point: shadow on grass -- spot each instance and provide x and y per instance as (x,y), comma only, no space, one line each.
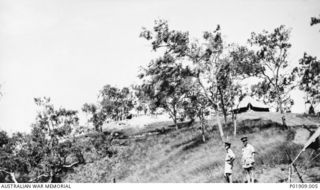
(160,130)
(184,143)
(190,143)
(196,142)
(183,124)
(248,126)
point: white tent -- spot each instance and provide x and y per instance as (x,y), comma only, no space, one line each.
(312,139)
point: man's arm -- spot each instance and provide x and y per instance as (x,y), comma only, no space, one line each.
(253,152)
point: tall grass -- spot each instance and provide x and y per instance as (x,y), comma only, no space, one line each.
(182,156)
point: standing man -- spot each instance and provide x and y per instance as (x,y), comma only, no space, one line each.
(228,162)
(248,159)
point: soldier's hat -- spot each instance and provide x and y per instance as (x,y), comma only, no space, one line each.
(243,139)
(227,143)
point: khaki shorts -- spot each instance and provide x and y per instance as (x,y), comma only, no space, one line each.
(248,163)
(228,168)
(249,169)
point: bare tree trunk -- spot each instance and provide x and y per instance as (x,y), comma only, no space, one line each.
(175,118)
(11,174)
(223,108)
(13,177)
(283,118)
(175,122)
(290,173)
(219,125)
(51,176)
(202,128)
(234,119)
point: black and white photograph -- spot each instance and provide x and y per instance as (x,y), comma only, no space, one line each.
(159,91)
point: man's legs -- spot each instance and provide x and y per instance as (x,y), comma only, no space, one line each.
(228,177)
(247,174)
(251,175)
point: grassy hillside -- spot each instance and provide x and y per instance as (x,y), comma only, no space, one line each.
(159,153)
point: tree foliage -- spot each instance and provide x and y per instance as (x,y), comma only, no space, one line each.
(50,143)
(14,163)
(166,78)
(309,73)
(97,116)
(114,103)
(218,71)
(42,155)
(143,100)
(197,106)
(271,55)
(206,58)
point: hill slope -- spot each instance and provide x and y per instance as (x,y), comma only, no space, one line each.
(159,153)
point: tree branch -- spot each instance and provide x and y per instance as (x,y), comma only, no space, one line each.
(11,175)
(71,165)
(269,79)
(205,92)
(40,176)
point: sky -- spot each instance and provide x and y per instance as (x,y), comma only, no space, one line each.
(68,50)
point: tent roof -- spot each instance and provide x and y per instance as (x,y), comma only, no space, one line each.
(249,100)
(312,139)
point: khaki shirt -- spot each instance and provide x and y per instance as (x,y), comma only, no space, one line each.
(229,156)
(229,161)
(248,156)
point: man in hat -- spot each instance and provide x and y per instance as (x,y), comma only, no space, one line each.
(248,159)
(228,162)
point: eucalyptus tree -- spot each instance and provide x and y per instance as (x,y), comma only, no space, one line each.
(165,79)
(271,50)
(309,73)
(143,100)
(51,142)
(115,103)
(97,116)
(196,105)
(214,72)
(13,161)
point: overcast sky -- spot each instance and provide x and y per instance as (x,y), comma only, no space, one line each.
(69,49)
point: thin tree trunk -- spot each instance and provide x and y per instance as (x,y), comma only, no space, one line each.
(290,172)
(223,106)
(51,176)
(283,117)
(175,117)
(175,122)
(11,174)
(202,129)
(13,177)
(234,119)
(284,124)
(219,125)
